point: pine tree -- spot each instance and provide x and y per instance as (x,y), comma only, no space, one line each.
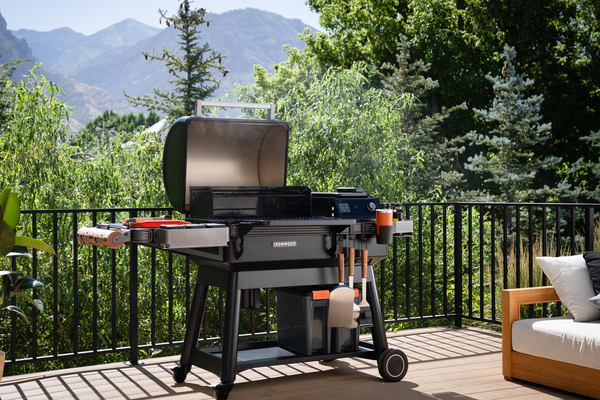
(588,171)
(508,162)
(193,78)
(420,124)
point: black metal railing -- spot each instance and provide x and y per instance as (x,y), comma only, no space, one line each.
(451,271)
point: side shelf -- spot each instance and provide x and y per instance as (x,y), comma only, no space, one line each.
(403,228)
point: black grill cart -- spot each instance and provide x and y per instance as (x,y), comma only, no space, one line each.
(249,231)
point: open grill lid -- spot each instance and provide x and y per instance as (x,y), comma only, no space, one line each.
(208,152)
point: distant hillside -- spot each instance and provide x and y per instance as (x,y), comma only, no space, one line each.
(63,50)
(12,48)
(88,101)
(248,37)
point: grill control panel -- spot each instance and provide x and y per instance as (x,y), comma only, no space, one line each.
(346,203)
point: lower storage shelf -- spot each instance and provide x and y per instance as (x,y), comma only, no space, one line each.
(266,353)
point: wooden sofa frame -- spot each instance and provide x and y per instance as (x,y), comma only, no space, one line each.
(556,374)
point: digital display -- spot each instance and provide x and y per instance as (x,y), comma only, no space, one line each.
(344,207)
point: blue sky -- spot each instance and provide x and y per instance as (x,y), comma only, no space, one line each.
(89,17)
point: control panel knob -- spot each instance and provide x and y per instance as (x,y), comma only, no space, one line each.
(371,206)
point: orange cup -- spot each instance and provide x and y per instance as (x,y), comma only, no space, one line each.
(383,217)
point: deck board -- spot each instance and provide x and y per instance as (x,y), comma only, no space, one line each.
(445,363)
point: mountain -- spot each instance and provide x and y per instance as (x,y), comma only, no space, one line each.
(88,101)
(248,37)
(94,70)
(13,48)
(63,50)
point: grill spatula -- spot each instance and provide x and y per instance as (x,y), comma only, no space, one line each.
(341,301)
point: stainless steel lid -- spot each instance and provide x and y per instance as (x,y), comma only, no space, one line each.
(207,152)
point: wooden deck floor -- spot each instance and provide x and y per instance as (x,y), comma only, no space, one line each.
(445,363)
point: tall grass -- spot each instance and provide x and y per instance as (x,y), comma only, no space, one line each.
(529,273)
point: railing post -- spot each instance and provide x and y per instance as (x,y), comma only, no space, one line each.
(133,301)
(589,229)
(458,300)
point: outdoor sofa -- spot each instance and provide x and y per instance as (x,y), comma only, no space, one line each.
(560,352)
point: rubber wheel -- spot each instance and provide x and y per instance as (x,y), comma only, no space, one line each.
(392,365)
(221,390)
(221,394)
(180,373)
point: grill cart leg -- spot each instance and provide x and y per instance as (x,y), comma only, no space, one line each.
(190,342)
(377,331)
(392,363)
(230,337)
(222,390)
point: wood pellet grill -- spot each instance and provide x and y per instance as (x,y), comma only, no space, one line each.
(250,231)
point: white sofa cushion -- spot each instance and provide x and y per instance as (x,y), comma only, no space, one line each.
(571,280)
(560,339)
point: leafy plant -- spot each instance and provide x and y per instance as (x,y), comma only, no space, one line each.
(343,133)
(6,98)
(12,245)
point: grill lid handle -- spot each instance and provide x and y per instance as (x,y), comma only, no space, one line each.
(350,190)
(200,103)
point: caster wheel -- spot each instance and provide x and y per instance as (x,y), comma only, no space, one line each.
(222,390)
(392,365)
(180,373)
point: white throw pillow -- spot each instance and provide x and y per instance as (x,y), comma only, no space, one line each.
(571,280)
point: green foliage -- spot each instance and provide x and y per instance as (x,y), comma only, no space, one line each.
(10,209)
(509,164)
(191,68)
(439,174)
(293,75)
(355,30)
(327,126)
(587,171)
(343,133)
(12,290)
(102,130)
(119,169)
(12,245)
(368,31)
(28,145)
(122,123)
(6,99)
(52,171)
(558,45)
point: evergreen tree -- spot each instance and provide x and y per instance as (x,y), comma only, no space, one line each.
(193,79)
(98,133)
(508,163)
(111,120)
(588,172)
(407,81)
(558,41)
